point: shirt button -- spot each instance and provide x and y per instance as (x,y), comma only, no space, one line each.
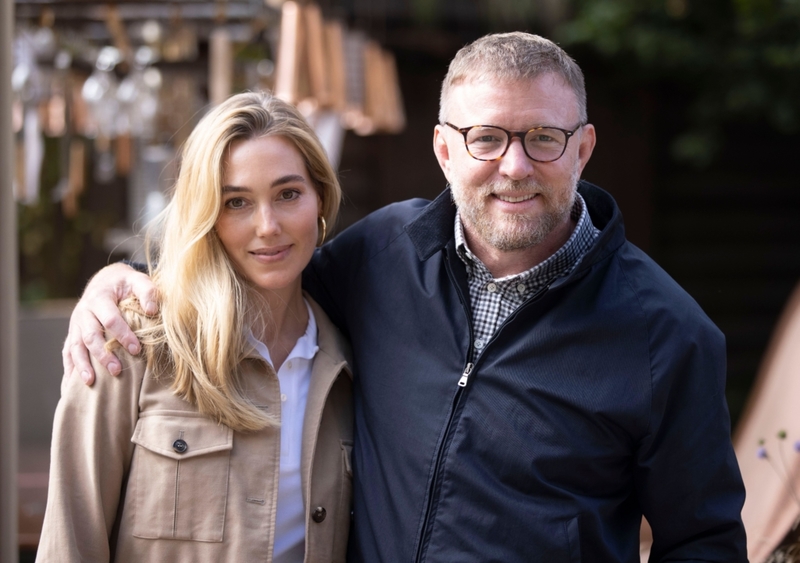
(479,344)
(283,397)
(180,446)
(521,288)
(491,288)
(289,365)
(319,514)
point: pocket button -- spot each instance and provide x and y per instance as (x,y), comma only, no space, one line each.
(319,514)
(180,446)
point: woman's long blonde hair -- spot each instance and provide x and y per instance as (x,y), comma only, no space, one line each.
(206,308)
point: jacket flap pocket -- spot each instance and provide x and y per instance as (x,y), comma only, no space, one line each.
(181,435)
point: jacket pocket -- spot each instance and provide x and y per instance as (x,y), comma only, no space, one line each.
(347,457)
(345,504)
(179,477)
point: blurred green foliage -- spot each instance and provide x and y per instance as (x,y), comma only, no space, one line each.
(52,245)
(734,62)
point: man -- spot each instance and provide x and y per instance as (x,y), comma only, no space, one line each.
(528,384)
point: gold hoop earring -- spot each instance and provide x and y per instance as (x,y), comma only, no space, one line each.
(324,230)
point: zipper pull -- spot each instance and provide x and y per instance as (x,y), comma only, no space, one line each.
(464,376)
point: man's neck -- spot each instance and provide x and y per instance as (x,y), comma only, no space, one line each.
(503,263)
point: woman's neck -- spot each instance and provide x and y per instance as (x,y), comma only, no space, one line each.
(285,321)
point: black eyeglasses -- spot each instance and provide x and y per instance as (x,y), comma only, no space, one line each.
(489,142)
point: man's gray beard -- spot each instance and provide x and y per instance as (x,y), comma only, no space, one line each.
(526,231)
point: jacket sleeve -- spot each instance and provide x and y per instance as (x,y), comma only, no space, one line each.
(687,477)
(90,456)
(329,275)
(336,267)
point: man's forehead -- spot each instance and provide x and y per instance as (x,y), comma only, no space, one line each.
(548,79)
(486,94)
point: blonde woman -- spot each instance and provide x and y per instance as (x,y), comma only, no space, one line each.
(230,438)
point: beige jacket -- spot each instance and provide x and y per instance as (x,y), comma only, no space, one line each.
(122,490)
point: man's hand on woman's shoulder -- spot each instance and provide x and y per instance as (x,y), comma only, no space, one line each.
(97,313)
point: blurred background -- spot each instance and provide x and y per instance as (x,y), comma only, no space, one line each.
(696,105)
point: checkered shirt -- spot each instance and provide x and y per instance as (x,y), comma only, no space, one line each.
(493,300)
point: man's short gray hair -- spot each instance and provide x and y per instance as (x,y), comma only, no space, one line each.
(510,57)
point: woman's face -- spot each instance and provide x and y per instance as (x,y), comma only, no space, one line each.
(268,221)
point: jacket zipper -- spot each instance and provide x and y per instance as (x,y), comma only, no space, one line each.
(462,383)
(465,376)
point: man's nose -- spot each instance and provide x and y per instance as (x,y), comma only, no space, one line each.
(515,164)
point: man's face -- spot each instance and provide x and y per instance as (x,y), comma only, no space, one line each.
(513,203)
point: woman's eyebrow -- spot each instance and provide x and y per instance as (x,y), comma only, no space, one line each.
(232,189)
(287,179)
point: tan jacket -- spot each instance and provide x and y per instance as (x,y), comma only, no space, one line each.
(122,490)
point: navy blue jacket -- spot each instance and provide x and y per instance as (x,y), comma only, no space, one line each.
(599,400)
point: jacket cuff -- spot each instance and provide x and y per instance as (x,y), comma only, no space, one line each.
(138,266)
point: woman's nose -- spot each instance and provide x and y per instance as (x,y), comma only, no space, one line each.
(266,220)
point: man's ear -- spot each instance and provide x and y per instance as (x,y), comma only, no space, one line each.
(586,147)
(441,150)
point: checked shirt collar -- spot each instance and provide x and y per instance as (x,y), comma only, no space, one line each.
(493,300)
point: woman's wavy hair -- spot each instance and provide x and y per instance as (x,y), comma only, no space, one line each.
(206,307)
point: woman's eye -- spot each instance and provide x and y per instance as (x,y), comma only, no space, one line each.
(234,203)
(288,195)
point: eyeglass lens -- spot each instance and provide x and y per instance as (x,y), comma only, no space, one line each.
(542,144)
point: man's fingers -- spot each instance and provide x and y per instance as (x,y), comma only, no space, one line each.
(95,343)
(76,362)
(86,337)
(96,318)
(143,289)
(66,359)
(115,328)
(74,354)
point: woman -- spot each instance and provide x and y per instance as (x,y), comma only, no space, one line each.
(201,451)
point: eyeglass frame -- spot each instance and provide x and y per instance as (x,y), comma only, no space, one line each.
(519,135)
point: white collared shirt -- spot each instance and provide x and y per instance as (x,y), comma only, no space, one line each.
(294,377)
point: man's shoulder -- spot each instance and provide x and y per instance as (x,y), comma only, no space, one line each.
(394,215)
(378,230)
(658,295)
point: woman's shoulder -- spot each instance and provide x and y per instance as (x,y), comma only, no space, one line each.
(132,371)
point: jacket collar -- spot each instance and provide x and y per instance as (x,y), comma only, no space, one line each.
(607,217)
(329,339)
(330,363)
(434,228)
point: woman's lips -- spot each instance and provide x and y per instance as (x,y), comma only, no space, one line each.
(270,254)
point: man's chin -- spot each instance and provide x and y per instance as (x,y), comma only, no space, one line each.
(514,237)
